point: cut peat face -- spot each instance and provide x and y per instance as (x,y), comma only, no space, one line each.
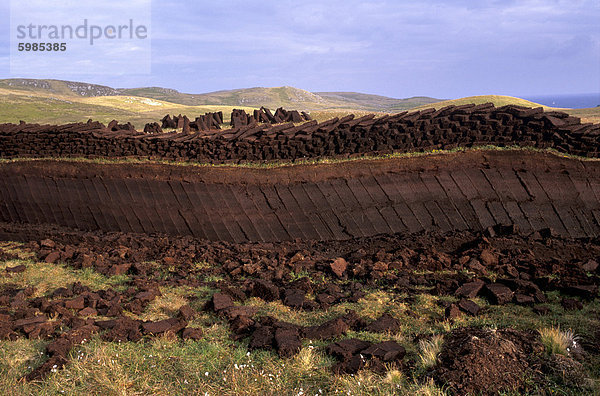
(442,193)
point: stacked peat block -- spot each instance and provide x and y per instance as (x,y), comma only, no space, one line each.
(207,122)
(115,126)
(281,115)
(252,140)
(240,118)
(204,122)
(168,122)
(173,123)
(153,127)
(264,116)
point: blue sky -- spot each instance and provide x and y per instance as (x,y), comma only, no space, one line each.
(444,49)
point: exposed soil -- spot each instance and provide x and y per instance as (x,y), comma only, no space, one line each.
(479,361)
(438,193)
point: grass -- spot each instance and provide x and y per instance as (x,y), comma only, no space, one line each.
(167,366)
(166,305)
(591,114)
(430,350)
(301,162)
(557,341)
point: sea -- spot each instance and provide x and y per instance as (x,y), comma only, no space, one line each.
(573,101)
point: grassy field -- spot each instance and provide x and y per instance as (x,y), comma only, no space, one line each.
(216,365)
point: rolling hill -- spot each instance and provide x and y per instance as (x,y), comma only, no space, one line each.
(382,103)
(497,100)
(288,97)
(56,101)
(57,87)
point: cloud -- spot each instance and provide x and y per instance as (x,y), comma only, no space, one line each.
(397,48)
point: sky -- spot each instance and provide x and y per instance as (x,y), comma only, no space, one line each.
(442,49)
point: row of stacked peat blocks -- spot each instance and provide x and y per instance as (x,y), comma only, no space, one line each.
(210,121)
(290,135)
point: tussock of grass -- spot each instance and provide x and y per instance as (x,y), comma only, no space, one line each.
(18,357)
(428,389)
(308,359)
(430,350)
(277,310)
(394,377)
(557,341)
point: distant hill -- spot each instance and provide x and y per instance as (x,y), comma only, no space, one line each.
(382,103)
(253,97)
(288,97)
(54,102)
(58,87)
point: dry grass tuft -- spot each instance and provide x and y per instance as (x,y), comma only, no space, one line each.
(430,350)
(557,341)
(428,389)
(394,377)
(167,305)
